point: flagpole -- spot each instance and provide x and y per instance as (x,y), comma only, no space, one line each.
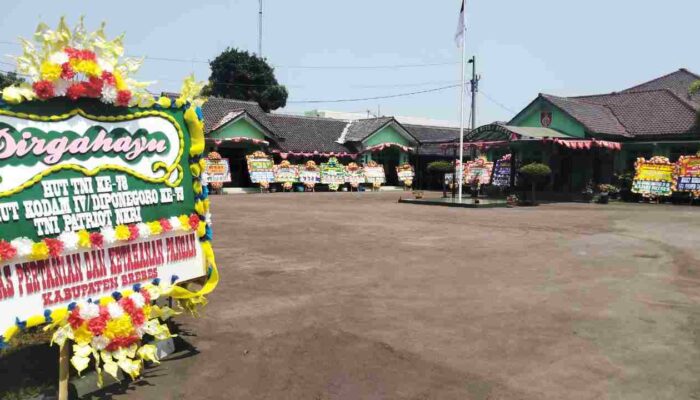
(461,116)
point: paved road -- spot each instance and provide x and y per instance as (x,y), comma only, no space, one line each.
(353,296)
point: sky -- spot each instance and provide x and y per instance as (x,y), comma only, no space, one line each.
(334,50)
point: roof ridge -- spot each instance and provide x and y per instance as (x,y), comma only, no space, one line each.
(238,100)
(632,89)
(435,126)
(306,117)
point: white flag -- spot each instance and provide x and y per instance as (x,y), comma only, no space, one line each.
(460,26)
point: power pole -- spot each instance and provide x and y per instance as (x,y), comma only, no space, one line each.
(475,89)
(260,24)
(474,152)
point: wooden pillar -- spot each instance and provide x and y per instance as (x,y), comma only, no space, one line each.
(63,369)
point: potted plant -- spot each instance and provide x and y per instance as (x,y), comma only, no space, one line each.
(588,192)
(535,173)
(418,194)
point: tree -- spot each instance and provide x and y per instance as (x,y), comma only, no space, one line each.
(9,79)
(237,74)
(535,173)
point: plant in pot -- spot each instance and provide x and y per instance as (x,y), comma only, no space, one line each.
(588,192)
(603,194)
(535,173)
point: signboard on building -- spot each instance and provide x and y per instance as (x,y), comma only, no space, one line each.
(261,168)
(480,170)
(286,172)
(332,172)
(653,177)
(218,170)
(501,172)
(688,174)
(92,204)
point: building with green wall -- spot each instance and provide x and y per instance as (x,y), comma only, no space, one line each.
(237,128)
(589,139)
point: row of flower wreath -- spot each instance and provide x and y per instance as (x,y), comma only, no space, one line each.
(68,241)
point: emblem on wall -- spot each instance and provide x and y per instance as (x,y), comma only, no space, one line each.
(546,118)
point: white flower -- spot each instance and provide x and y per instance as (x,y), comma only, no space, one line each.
(89,311)
(108,235)
(69,239)
(138,299)
(144,230)
(175,223)
(105,65)
(23,246)
(115,310)
(109,94)
(140,331)
(99,343)
(60,87)
(58,57)
(207,218)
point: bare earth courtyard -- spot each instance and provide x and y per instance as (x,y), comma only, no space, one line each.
(354,296)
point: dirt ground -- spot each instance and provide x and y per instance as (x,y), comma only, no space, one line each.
(354,296)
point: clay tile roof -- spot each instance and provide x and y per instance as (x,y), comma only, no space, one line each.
(309,133)
(652,112)
(677,82)
(595,117)
(362,128)
(217,108)
(434,134)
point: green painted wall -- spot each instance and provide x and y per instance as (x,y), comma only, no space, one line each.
(387,135)
(560,121)
(240,128)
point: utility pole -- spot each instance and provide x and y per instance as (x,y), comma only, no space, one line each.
(260,24)
(474,152)
(475,89)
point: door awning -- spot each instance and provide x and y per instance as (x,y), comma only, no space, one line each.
(588,144)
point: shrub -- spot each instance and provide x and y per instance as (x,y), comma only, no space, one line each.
(440,166)
(536,172)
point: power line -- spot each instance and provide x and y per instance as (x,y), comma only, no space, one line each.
(375,97)
(496,102)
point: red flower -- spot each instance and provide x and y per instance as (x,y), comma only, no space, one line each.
(76,91)
(194,221)
(55,247)
(108,77)
(96,239)
(146,296)
(97,325)
(88,55)
(7,251)
(123,97)
(94,87)
(133,232)
(165,224)
(44,89)
(128,305)
(74,318)
(72,53)
(67,72)
(137,317)
(121,342)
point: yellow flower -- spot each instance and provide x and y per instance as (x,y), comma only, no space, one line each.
(82,335)
(199,207)
(119,327)
(119,81)
(185,222)
(155,227)
(195,169)
(179,103)
(50,71)
(201,229)
(40,251)
(87,67)
(165,102)
(122,232)
(84,239)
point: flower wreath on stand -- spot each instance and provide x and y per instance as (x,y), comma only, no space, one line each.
(109,331)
